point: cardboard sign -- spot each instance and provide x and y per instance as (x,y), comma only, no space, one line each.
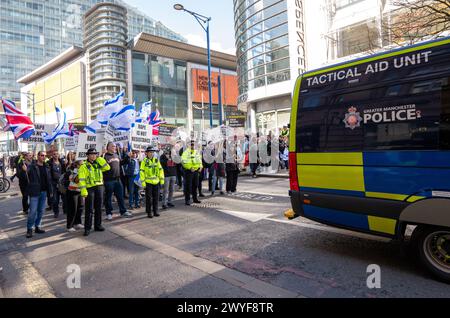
(141,137)
(86,141)
(37,138)
(71,143)
(116,136)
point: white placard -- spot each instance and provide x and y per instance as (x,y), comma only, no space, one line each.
(39,129)
(86,141)
(117,136)
(71,143)
(141,137)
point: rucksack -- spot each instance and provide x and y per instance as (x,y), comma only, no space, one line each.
(63,183)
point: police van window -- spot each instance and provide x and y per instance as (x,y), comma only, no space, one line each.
(428,86)
(311,101)
(444,127)
(340,137)
(311,129)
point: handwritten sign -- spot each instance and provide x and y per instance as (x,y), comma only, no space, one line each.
(87,141)
(37,136)
(141,137)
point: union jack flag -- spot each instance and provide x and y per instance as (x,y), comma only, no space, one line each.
(155,121)
(73,131)
(21,126)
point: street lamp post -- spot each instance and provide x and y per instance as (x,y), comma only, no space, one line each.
(202,20)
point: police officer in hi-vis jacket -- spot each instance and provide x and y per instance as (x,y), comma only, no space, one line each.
(192,165)
(90,184)
(152,176)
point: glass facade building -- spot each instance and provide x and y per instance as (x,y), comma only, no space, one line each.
(162,80)
(35,31)
(262,42)
(105,42)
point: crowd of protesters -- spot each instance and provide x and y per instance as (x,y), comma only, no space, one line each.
(136,178)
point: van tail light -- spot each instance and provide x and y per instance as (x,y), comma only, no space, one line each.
(293,177)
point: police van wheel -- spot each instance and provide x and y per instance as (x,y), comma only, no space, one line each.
(433,245)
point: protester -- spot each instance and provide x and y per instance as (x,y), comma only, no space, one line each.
(152,176)
(75,202)
(202,175)
(131,172)
(24,161)
(217,173)
(231,166)
(3,166)
(192,165)
(124,158)
(56,166)
(180,171)
(170,178)
(253,156)
(39,183)
(113,184)
(91,187)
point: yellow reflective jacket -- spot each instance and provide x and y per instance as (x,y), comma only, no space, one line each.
(91,174)
(151,172)
(190,159)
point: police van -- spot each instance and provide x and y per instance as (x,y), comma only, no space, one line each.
(370,148)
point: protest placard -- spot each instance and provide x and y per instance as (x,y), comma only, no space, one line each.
(37,137)
(167,134)
(86,141)
(141,137)
(71,143)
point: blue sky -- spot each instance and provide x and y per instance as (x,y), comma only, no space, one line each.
(221,25)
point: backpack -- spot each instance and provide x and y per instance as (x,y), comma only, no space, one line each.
(63,183)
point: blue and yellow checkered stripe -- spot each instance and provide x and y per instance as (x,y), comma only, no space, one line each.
(391,175)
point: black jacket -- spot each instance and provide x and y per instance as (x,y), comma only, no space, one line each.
(34,180)
(170,167)
(56,170)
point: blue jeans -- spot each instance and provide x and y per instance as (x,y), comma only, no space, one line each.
(169,185)
(214,180)
(133,191)
(37,206)
(115,187)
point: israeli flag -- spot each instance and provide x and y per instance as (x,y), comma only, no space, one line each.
(93,126)
(61,130)
(146,109)
(124,118)
(112,106)
(137,180)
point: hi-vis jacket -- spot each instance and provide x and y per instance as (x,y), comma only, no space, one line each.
(91,174)
(151,172)
(191,160)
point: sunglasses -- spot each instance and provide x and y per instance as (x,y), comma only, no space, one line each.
(41,155)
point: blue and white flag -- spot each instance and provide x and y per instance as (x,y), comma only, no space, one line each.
(142,115)
(93,126)
(137,180)
(61,130)
(112,106)
(124,118)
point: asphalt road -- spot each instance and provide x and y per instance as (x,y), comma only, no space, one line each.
(236,246)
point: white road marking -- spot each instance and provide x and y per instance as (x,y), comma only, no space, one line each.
(249,216)
(255,217)
(332,230)
(264,193)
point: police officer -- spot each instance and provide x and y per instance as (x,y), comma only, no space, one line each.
(152,176)
(192,165)
(91,186)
